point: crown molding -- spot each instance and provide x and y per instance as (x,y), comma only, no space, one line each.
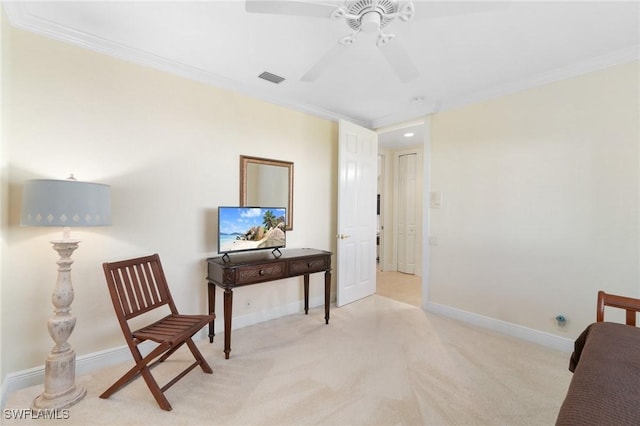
(20,18)
(608,60)
(611,59)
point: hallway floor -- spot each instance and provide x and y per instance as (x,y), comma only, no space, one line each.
(401,287)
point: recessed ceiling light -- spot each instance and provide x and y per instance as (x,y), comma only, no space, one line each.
(408,135)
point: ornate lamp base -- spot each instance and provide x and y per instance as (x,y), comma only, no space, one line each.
(45,401)
(60,389)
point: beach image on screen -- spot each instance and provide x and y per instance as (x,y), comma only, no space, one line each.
(250,228)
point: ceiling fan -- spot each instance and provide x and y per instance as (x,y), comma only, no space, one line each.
(367,16)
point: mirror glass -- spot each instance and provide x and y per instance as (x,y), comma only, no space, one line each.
(267,183)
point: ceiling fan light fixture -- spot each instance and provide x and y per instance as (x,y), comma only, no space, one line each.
(348,40)
(407,11)
(357,9)
(370,22)
(384,38)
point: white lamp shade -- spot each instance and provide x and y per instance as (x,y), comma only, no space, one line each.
(50,202)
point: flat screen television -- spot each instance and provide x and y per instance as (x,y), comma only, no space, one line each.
(251,228)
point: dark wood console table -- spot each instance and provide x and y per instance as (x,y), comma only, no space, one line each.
(243,269)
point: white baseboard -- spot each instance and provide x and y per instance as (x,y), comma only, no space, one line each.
(85,364)
(89,363)
(536,336)
(266,315)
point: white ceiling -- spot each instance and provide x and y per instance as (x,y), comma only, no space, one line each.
(464,52)
(400,136)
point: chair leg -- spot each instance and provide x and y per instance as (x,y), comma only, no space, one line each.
(198,356)
(142,368)
(157,393)
(141,363)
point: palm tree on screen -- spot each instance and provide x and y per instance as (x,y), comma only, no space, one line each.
(269,220)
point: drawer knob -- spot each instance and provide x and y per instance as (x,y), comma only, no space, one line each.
(261,272)
(309,264)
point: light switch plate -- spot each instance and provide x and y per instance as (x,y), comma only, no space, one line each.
(435,199)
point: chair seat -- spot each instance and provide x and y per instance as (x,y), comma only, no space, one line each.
(173,328)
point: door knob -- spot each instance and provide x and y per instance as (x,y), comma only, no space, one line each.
(343,236)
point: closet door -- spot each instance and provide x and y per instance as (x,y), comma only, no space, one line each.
(407,213)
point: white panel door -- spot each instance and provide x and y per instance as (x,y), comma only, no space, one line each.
(407,213)
(357,186)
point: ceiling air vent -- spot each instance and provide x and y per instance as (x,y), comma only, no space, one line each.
(271,77)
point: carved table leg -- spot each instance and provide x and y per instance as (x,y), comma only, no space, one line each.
(327,294)
(212,310)
(306,294)
(228,304)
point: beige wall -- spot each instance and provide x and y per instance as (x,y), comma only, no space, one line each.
(170,150)
(541,201)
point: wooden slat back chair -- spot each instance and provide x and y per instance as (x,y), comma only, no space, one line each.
(138,286)
(630,305)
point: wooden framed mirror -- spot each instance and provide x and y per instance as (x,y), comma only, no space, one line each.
(267,183)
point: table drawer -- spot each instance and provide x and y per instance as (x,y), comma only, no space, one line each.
(307,266)
(257,273)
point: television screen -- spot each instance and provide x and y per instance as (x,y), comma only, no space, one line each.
(251,228)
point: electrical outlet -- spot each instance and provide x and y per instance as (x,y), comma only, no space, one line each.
(561,320)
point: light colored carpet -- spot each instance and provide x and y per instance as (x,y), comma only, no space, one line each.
(378,362)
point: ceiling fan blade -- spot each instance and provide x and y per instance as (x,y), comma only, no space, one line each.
(430,10)
(329,58)
(399,60)
(296,8)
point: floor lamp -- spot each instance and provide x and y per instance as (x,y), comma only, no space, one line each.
(63,203)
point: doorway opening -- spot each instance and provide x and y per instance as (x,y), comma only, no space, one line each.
(400,192)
